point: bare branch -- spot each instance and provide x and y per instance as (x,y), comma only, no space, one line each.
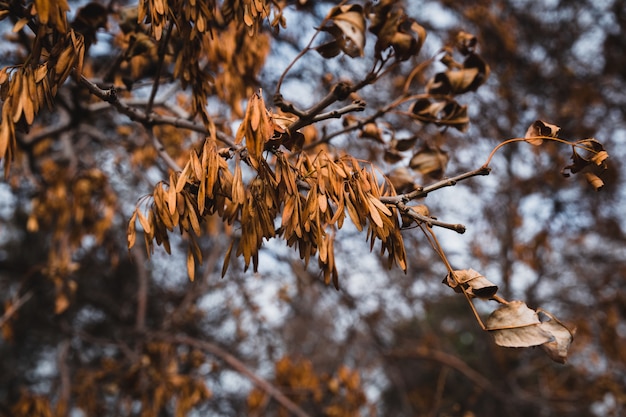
(429,221)
(424,191)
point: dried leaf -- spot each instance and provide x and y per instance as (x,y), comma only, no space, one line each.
(516,325)
(540,128)
(191,264)
(474,283)
(131,233)
(144,222)
(347,26)
(589,157)
(563,337)
(430,161)
(394,29)
(402,180)
(374,214)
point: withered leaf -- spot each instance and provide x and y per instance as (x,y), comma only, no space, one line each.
(589,157)
(441,113)
(402,145)
(191,265)
(557,349)
(465,42)
(131,233)
(473,282)
(540,128)
(347,27)
(396,30)
(430,161)
(372,131)
(402,180)
(516,325)
(460,79)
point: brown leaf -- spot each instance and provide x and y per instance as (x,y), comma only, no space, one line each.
(465,42)
(131,233)
(191,265)
(516,325)
(459,78)
(557,349)
(394,29)
(441,113)
(429,161)
(540,128)
(402,180)
(372,131)
(474,283)
(589,157)
(347,27)
(403,145)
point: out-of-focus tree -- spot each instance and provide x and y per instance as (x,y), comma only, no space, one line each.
(222,136)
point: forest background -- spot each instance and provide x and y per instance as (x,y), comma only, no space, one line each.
(274,133)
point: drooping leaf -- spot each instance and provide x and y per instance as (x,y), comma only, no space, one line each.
(441,113)
(516,325)
(402,180)
(459,78)
(540,128)
(557,349)
(346,24)
(396,30)
(430,161)
(473,282)
(588,157)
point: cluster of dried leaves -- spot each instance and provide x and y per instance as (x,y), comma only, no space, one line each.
(25,89)
(310,196)
(268,187)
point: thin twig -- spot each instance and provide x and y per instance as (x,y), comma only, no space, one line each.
(148,119)
(12,309)
(160,148)
(422,192)
(306,49)
(355,106)
(429,221)
(434,242)
(162,48)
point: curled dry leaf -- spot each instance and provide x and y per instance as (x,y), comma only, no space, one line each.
(588,157)
(396,30)
(402,180)
(466,42)
(540,128)
(459,78)
(472,282)
(372,131)
(563,338)
(347,27)
(430,161)
(516,325)
(441,113)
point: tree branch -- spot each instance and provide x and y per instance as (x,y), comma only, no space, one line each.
(148,119)
(428,221)
(12,309)
(424,191)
